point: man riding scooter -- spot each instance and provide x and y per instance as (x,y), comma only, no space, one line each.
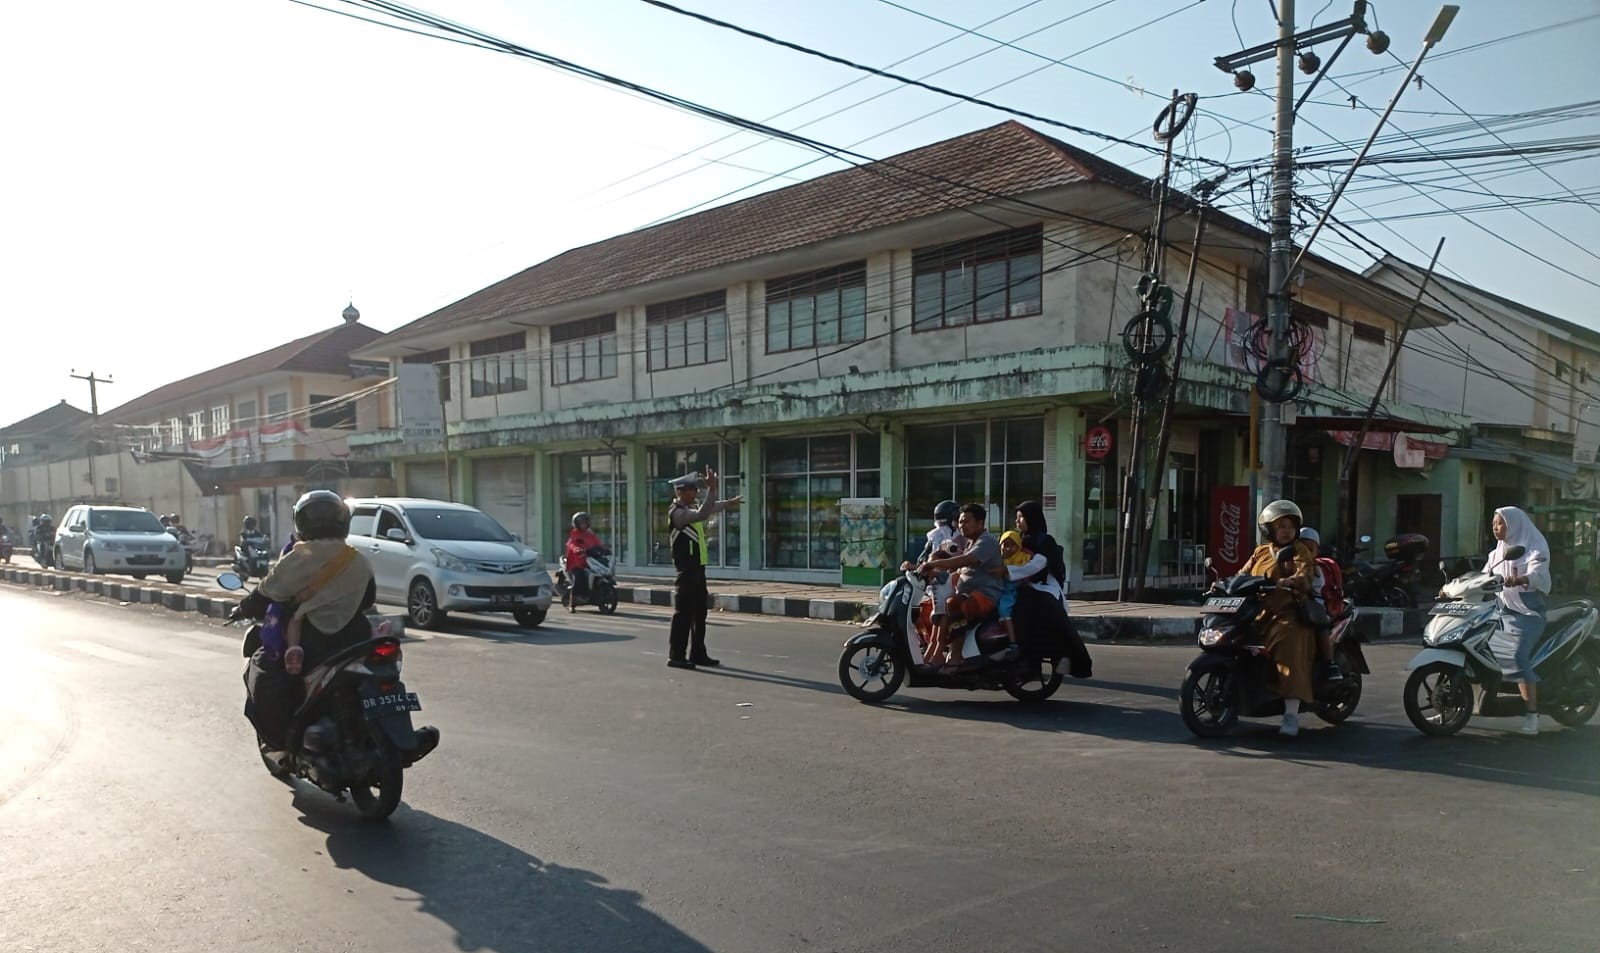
(579,542)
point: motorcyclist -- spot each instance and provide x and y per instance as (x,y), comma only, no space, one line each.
(579,542)
(251,536)
(1289,641)
(44,536)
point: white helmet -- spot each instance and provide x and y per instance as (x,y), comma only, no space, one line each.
(1275,511)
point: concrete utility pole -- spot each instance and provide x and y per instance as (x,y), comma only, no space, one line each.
(94,422)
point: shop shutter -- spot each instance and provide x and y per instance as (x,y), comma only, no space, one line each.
(500,488)
(426,481)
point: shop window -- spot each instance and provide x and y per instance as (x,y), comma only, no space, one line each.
(984,279)
(817,309)
(597,484)
(997,463)
(722,536)
(1101,502)
(498,365)
(687,332)
(583,350)
(805,478)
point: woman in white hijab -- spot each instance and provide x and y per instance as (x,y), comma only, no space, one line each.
(1522,603)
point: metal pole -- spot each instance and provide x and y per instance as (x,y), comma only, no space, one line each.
(1273,443)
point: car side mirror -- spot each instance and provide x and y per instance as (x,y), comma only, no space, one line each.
(230,581)
(398,535)
(75,528)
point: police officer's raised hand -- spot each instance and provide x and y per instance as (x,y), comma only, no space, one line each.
(711,481)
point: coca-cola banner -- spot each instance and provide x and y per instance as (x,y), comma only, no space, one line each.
(1229,542)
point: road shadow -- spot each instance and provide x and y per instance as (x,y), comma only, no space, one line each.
(508,632)
(774,678)
(494,895)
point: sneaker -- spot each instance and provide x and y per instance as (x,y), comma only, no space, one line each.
(1291,725)
(1530,723)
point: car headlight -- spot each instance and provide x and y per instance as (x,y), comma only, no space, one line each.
(446,560)
(111,547)
(1211,636)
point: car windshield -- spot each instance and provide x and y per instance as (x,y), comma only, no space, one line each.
(457,524)
(124,521)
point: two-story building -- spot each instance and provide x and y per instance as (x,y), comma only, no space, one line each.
(849,350)
(245,438)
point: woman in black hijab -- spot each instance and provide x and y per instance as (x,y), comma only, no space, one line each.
(1043,626)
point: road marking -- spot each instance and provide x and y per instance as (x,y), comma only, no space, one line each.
(106,652)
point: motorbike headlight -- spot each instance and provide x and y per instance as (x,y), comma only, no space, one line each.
(1211,636)
(1445,637)
(446,560)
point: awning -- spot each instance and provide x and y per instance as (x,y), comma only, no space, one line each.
(1430,449)
(1380,424)
(1546,464)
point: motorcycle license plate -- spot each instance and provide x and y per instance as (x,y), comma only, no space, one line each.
(1223,605)
(1452,608)
(394,703)
(506,599)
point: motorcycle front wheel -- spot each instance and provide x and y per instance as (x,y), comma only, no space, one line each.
(869,672)
(608,600)
(1344,704)
(1586,691)
(1035,685)
(377,795)
(1438,699)
(1209,703)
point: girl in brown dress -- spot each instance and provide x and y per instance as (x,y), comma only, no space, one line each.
(1290,642)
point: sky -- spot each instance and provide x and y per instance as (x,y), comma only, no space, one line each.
(188,182)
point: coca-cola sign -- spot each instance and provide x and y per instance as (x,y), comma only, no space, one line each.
(1228,542)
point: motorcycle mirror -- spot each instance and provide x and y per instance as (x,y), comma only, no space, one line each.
(1286,554)
(230,581)
(1366,539)
(1208,562)
(1516,552)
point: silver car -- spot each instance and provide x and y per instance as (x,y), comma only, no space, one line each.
(120,539)
(435,557)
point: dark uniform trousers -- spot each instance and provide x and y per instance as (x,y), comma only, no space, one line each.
(691,601)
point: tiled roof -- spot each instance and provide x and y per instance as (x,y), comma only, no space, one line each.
(1007,159)
(60,416)
(326,352)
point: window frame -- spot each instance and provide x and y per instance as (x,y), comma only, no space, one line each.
(489,360)
(825,284)
(598,333)
(698,321)
(967,260)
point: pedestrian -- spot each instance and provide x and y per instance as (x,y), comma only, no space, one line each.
(691,600)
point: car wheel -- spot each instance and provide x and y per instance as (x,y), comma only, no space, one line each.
(422,606)
(175,577)
(140,575)
(530,618)
(88,562)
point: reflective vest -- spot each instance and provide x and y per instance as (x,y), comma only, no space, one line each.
(688,542)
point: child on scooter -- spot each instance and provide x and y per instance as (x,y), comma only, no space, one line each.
(941,543)
(1322,575)
(1012,554)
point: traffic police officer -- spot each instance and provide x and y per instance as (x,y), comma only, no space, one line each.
(691,599)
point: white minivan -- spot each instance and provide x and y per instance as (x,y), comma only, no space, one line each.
(435,557)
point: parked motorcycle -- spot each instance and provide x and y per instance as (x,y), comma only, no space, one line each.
(1457,672)
(602,583)
(252,557)
(876,662)
(1233,675)
(1391,581)
(352,731)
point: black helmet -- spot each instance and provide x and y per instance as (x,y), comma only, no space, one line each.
(249,523)
(321,514)
(580,515)
(946,511)
(45,518)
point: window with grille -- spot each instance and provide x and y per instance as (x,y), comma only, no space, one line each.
(983,279)
(197,426)
(499,365)
(817,309)
(687,332)
(219,421)
(583,350)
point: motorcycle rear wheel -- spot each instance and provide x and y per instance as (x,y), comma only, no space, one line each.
(1575,716)
(1443,689)
(1046,680)
(387,778)
(1209,703)
(1398,597)
(862,666)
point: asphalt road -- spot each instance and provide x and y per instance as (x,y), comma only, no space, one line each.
(587,798)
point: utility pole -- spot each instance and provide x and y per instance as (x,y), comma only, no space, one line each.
(94,421)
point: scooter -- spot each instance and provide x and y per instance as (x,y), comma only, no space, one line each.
(352,732)
(1457,671)
(602,583)
(888,654)
(44,546)
(252,557)
(1233,675)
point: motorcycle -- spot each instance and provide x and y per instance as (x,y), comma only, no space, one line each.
(877,661)
(1233,675)
(44,547)
(190,543)
(352,731)
(1457,672)
(7,546)
(602,583)
(252,557)
(1390,581)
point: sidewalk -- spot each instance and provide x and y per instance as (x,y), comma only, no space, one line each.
(1098,620)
